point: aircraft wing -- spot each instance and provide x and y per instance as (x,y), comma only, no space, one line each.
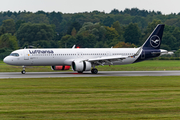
(108,59)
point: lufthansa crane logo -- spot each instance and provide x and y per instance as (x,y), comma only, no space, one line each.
(155,41)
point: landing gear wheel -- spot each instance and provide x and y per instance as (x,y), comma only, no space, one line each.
(94,71)
(80,71)
(23,72)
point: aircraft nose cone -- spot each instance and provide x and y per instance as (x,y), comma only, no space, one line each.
(6,60)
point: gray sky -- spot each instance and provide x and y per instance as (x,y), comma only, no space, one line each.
(74,6)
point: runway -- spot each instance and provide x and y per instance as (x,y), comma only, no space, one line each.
(87,74)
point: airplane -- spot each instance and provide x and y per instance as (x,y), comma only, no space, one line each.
(86,59)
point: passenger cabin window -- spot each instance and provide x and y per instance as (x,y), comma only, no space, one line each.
(14,54)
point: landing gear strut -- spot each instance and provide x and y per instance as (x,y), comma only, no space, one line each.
(23,71)
(94,71)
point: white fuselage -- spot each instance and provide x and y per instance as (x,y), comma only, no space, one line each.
(52,57)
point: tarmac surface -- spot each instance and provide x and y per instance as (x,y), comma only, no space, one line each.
(86,74)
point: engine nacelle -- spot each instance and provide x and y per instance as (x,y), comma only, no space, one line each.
(81,66)
(63,67)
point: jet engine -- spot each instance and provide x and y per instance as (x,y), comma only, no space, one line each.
(81,66)
(63,67)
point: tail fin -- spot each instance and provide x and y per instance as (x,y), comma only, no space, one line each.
(154,40)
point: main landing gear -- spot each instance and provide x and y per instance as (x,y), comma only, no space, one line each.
(23,71)
(94,71)
(80,72)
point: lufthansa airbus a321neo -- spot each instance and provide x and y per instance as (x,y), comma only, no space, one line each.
(84,59)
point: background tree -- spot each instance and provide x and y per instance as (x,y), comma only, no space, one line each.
(119,29)
(75,25)
(111,36)
(19,23)
(169,40)
(2,30)
(114,11)
(176,34)
(29,32)
(96,29)
(89,26)
(45,44)
(9,26)
(132,34)
(7,41)
(67,41)
(124,45)
(34,18)
(108,21)
(56,19)
(73,33)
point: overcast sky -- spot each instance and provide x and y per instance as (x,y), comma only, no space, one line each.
(75,6)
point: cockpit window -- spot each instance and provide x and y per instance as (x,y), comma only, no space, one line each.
(14,54)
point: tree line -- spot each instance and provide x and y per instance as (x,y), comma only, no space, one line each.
(128,28)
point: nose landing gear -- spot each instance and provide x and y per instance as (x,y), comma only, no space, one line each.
(23,71)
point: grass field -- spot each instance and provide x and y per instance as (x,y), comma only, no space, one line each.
(142,66)
(90,98)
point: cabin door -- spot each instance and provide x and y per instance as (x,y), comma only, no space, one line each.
(26,54)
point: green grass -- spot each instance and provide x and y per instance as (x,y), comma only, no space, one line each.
(90,98)
(141,66)
(10,68)
(150,65)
